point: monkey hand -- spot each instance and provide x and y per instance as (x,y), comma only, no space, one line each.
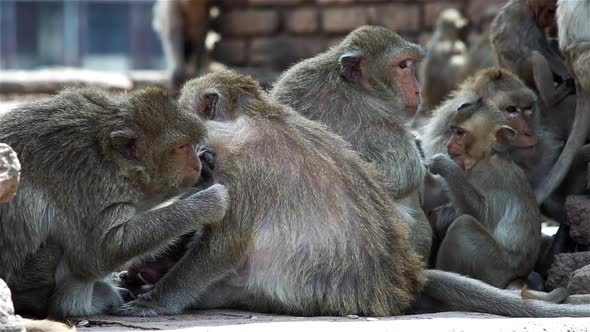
(142,307)
(442,165)
(207,157)
(212,203)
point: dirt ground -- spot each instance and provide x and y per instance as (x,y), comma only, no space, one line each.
(232,320)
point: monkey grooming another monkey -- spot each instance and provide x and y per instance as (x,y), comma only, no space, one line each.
(182,26)
(496,235)
(446,58)
(93,165)
(366,90)
(309,230)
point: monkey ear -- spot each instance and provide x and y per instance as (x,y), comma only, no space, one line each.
(125,143)
(208,104)
(505,135)
(350,66)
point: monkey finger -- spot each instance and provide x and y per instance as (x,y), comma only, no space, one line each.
(137,308)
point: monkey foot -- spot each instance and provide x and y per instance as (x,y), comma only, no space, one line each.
(137,308)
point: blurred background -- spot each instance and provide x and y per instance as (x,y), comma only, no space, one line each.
(47,44)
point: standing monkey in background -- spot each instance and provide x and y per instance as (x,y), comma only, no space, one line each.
(182,26)
(446,58)
(495,234)
(93,167)
(366,91)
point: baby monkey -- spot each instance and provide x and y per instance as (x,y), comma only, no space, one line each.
(491,229)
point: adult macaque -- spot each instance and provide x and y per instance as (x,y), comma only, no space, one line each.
(295,239)
(446,58)
(496,234)
(573,40)
(93,165)
(518,30)
(366,90)
(182,26)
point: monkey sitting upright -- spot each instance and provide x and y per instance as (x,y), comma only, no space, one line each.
(495,233)
(310,230)
(93,165)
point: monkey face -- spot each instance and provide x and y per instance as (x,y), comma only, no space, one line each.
(521,120)
(404,72)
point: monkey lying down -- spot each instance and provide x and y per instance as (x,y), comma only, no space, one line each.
(309,230)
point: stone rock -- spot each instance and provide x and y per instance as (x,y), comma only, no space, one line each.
(8,321)
(580,281)
(563,266)
(578,213)
(9,173)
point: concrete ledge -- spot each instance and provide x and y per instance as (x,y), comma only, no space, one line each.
(233,320)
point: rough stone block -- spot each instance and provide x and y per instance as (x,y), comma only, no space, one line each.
(9,173)
(249,22)
(304,20)
(578,213)
(563,266)
(343,20)
(580,281)
(8,321)
(397,17)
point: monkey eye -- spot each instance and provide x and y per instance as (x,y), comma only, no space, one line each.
(459,132)
(403,64)
(511,109)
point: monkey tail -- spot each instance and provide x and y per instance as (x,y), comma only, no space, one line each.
(460,293)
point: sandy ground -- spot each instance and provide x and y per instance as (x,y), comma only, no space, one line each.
(231,320)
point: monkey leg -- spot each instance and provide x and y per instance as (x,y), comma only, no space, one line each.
(469,249)
(206,263)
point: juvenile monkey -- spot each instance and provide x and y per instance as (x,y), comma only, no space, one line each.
(446,59)
(534,149)
(93,165)
(366,91)
(496,234)
(309,229)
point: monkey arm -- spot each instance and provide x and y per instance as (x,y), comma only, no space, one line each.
(126,237)
(463,194)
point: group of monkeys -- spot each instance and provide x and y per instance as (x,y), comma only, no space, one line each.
(312,199)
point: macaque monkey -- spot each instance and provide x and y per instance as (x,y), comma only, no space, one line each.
(365,89)
(93,165)
(534,149)
(309,231)
(495,234)
(518,30)
(446,58)
(182,26)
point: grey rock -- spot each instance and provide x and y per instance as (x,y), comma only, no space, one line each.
(9,322)
(563,266)
(578,213)
(580,281)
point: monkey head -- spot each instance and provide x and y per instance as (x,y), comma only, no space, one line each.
(543,12)
(476,129)
(224,96)
(383,64)
(158,151)
(514,99)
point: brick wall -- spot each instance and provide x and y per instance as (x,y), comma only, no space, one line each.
(277,33)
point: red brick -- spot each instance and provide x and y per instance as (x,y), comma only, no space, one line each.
(343,20)
(302,20)
(249,22)
(397,17)
(231,51)
(281,52)
(274,2)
